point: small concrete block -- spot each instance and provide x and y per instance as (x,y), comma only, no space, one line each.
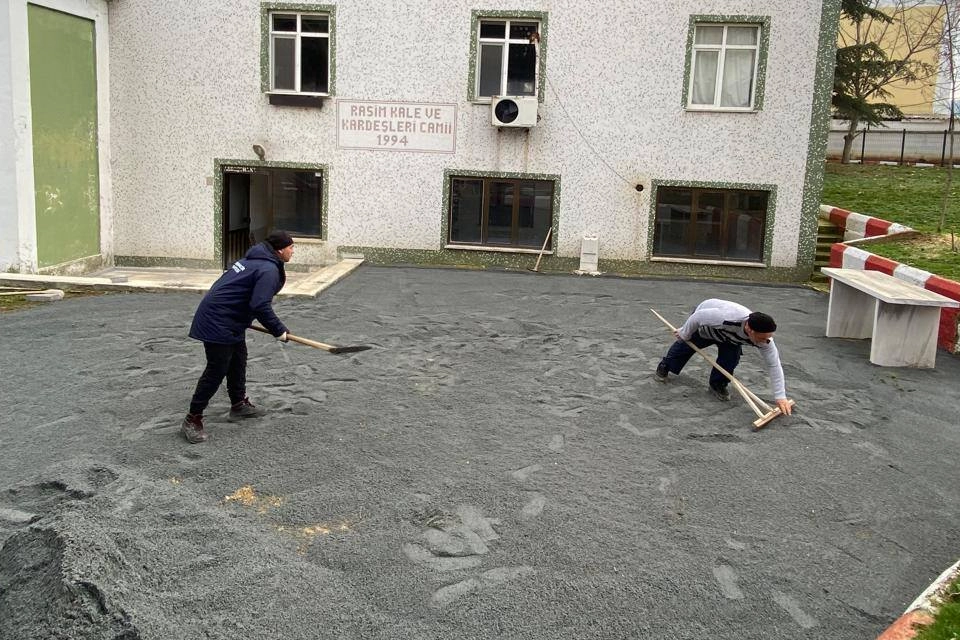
(119,279)
(924,164)
(50,295)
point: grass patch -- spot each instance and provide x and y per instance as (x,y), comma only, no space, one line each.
(946,624)
(19,303)
(906,195)
(930,252)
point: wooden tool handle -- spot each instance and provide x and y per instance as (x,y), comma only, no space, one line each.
(536,267)
(306,341)
(748,395)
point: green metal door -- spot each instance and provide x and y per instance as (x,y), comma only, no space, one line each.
(63,97)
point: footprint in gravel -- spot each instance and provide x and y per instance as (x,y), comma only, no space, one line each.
(624,423)
(190,456)
(488,580)
(790,605)
(160,425)
(534,507)
(526,472)
(454,541)
(727,578)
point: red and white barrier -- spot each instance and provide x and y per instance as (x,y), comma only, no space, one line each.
(857,226)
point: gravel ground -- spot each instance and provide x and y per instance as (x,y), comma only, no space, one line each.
(502,463)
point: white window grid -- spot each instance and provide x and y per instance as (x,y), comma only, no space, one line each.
(506,41)
(297,35)
(722,48)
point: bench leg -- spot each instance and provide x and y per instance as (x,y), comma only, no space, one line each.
(905,336)
(850,312)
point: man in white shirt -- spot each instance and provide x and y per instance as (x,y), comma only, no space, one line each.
(729,326)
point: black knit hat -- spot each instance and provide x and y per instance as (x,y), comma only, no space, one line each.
(279,240)
(761,322)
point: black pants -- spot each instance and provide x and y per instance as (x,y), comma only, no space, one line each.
(728,357)
(223,361)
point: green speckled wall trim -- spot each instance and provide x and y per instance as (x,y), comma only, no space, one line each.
(218,164)
(768,226)
(763,21)
(475,18)
(819,131)
(162,261)
(554,264)
(302,7)
(509,175)
(458,258)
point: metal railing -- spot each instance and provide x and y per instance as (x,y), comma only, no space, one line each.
(892,145)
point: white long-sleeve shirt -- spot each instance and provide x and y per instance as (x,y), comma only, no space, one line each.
(722,321)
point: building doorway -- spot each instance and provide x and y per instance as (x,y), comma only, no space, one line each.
(260,199)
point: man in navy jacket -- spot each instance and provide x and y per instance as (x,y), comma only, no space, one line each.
(243,293)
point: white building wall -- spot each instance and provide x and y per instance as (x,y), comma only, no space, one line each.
(8,168)
(185,93)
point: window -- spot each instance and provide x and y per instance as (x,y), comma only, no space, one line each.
(299,52)
(508,55)
(726,65)
(257,199)
(500,212)
(296,201)
(712,224)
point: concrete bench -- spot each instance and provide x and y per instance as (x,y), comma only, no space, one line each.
(900,318)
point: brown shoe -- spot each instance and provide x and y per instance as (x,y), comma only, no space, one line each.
(192,429)
(245,409)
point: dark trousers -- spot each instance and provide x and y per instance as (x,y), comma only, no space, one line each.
(223,361)
(728,357)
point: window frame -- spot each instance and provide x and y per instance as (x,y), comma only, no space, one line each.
(762,23)
(487,178)
(263,166)
(478,16)
(768,225)
(267,10)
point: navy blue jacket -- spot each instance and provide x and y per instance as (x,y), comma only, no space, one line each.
(245,291)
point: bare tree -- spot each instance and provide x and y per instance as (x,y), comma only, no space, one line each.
(951,32)
(874,53)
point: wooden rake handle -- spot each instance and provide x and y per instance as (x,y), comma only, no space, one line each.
(313,343)
(749,397)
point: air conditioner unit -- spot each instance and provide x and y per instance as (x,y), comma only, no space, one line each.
(513,111)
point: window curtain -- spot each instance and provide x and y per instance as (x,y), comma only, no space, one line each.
(737,78)
(705,77)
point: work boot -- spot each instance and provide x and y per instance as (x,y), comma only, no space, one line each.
(662,372)
(720,392)
(192,428)
(244,409)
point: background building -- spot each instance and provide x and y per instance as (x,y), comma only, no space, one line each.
(177,133)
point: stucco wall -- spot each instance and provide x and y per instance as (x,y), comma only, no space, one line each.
(184,94)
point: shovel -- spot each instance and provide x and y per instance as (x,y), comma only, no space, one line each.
(317,345)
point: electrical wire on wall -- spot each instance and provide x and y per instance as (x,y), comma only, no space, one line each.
(556,96)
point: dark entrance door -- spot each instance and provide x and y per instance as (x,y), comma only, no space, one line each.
(245,211)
